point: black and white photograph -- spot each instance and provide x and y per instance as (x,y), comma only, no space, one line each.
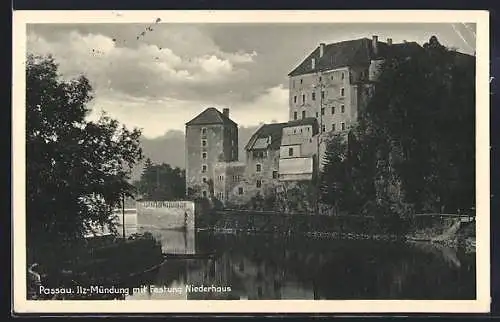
(251,162)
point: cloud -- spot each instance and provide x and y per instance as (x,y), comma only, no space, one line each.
(167,76)
(145,69)
(157,116)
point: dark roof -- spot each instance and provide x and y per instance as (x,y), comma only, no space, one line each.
(275,131)
(211,116)
(351,53)
(307,121)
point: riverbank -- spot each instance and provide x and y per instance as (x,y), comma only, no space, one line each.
(105,261)
(450,230)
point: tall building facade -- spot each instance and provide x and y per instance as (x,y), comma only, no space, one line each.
(334,82)
(211,138)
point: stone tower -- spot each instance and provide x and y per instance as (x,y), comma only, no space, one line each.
(211,137)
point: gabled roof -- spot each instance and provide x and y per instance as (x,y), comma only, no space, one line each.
(211,116)
(275,132)
(351,53)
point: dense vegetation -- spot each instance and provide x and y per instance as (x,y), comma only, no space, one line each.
(77,170)
(161,182)
(413,149)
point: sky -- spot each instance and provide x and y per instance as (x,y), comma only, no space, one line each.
(158,76)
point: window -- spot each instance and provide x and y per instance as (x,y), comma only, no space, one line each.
(323,128)
(316,114)
(331,78)
(333,109)
(259,154)
(322,111)
(275,174)
(290,152)
(301,81)
(295,99)
(293,83)
(320,79)
(294,115)
(259,183)
(221,178)
(204,143)
(204,194)
(342,92)
(240,190)
(258,168)
(333,127)
(303,98)
(204,179)
(322,94)
(204,131)
(204,168)
(303,114)
(343,126)
(362,75)
(313,96)
(204,155)
(342,108)
(342,76)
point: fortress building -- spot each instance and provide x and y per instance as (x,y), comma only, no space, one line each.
(335,81)
(211,138)
(328,90)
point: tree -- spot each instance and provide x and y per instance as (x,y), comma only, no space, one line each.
(77,170)
(413,148)
(162,182)
(429,128)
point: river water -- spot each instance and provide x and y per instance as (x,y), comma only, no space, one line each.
(268,267)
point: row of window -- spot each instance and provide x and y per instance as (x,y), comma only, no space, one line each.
(342,110)
(313,96)
(236,178)
(342,127)
(204,154)
(320,79)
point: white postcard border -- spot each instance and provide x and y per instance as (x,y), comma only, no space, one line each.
(481,304)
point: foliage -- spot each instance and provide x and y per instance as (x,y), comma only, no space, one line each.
(414,146)
(161,182)
(77,170)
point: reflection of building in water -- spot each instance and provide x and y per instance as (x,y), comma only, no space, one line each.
(175,241)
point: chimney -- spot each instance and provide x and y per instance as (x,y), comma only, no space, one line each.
(374,44)
(389,41)
(225,111)
(321,49)
(313,63)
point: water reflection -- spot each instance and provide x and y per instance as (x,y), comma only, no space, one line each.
(267,267)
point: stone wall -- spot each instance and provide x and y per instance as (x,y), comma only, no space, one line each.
(343,226)
(166,214)
(268,181)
